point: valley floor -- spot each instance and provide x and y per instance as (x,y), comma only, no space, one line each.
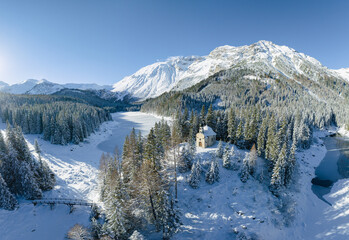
(215,211)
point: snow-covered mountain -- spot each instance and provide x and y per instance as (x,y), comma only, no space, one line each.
(3,85)
(33,86)
(178,73)
(22,87)
(343,73)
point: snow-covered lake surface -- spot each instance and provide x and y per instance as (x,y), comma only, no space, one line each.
(333,167)
(320,219)
(76,169)
(124,124)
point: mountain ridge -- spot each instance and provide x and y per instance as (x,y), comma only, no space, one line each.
(45,87)
(178,73)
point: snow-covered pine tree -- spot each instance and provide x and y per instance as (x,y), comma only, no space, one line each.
(153,183)
(117,223)
(234,159)
(290,164)
(224,126)
(244,174)
(219,152)
(3,147)
(231,126)
(7,200)
(195,175)
(29,187)
(219,129)
(185,160)
(210,118)
(278,176)
(273,143)
(212,174)
(240,135)
(261,139)
(252,160)
(227,158)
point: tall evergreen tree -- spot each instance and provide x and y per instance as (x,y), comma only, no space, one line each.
(252,163)
(261,140)
(7,200)
(210,118)
(226,157)
(212,174)
(195,175)
(278,176)
(231,126)
(244,174)
(219,152)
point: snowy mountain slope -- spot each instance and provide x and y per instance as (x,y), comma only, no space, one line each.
(43,86)
(156,78)
(343,73)
(178,73)
(22,87)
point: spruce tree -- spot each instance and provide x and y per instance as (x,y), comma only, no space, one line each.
(7,200)
(210,118)
(244,174)
(240,135)
(231,126)
(227,158)
(278,176)
(219,152)
(291,163)
(252,163)
(117,223)
(261,140)
(185,160)
(195,175)
(212,174)
(234,159)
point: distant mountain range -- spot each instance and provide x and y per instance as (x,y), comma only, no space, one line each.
(178,73)
(33,86)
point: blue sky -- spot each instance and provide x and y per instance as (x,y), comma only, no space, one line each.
(104,40)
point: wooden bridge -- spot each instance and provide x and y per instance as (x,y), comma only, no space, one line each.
(66,201)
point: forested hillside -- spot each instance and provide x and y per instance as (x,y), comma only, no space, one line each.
(242,88)
(99,98)
(60,119)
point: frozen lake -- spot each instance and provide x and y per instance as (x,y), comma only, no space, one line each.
(333,167)
(124,122)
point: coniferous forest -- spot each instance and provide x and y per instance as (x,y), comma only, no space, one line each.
(21,175)
(60,119)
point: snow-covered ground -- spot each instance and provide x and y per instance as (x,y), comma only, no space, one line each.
(216,211)
(76,168)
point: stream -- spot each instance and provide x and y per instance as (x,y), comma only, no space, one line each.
(333,167)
